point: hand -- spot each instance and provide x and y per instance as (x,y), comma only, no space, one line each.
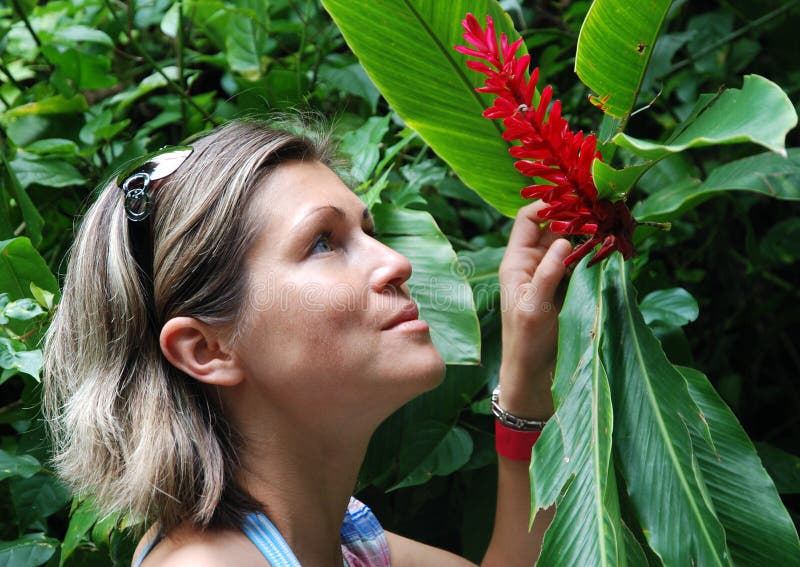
(530,272)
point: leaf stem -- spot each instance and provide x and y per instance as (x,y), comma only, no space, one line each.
(734,35)
(21,13)
(172,84)
(10,77)
(179,60)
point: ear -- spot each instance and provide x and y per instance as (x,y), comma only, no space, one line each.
(198,350)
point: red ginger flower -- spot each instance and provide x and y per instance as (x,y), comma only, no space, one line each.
(548,148)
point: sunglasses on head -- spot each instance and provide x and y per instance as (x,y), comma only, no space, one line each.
(135,181)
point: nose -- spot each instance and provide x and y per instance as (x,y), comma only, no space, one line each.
(391,268)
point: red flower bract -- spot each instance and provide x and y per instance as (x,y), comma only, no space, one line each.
(547,148)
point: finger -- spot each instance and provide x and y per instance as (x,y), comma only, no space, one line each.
(551,269)
(526,232)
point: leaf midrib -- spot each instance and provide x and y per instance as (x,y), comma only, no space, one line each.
(595,421)
(456,67)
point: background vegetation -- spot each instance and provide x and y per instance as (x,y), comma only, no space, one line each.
(87,85)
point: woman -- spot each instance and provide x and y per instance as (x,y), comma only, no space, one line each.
(202,374)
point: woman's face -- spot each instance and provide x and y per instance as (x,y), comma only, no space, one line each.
(328,318)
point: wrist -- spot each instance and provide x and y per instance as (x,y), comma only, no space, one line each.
(532,399)
(514,435)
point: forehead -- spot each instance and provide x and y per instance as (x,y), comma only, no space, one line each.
(296,188)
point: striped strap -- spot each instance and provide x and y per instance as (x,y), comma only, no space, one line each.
(269,541)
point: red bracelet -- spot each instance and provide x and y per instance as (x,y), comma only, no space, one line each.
(512,443)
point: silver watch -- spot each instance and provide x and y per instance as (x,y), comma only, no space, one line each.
(512,421)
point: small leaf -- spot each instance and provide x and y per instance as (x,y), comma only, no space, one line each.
(675,307)
(351,79)
(81,521)
(781,245)
(53,146)
(43,297)
(244,42)
(32,170)
(17,465)
(363,146)
(13,356)
(614,184)
(23,309)
(82,34)
(53,105)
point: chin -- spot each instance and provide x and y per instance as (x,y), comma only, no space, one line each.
(429,372)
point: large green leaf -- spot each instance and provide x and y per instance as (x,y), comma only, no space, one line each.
(21,265)
(16,190)
(759,112)
(570,466)
(767,173)
(244,42)
(432,449)
(652,408)
(758,527)
(437,284)
(406,47)
(783,467)
(17,465)
(27,551)
(614,46)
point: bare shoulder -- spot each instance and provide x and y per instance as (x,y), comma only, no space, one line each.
(186,546)
(407,552)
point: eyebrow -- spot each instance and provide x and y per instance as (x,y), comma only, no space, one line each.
(365,215)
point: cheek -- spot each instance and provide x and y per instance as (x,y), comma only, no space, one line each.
(310,327)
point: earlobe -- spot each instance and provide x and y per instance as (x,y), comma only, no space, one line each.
(197,350)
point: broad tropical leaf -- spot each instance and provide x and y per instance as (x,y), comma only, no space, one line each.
(406,47)
(759,112)
(571,460)
(433,449)
(437,285)
(758,527)
(652,408)
(28,550)
(614,46)
(767,173)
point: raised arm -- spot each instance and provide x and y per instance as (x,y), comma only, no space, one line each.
(531,270)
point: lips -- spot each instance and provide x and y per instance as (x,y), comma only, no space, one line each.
(409,312)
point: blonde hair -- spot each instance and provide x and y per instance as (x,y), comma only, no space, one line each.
(128,427)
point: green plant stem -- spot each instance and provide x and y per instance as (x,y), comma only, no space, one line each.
(734,35)
(10,77)
(172,84)
(21,13)
(181,77)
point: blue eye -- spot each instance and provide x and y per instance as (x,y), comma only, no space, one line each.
(322,244)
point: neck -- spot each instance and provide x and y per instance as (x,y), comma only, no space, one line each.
(304,475)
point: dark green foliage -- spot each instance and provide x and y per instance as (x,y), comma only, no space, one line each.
(84,86)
